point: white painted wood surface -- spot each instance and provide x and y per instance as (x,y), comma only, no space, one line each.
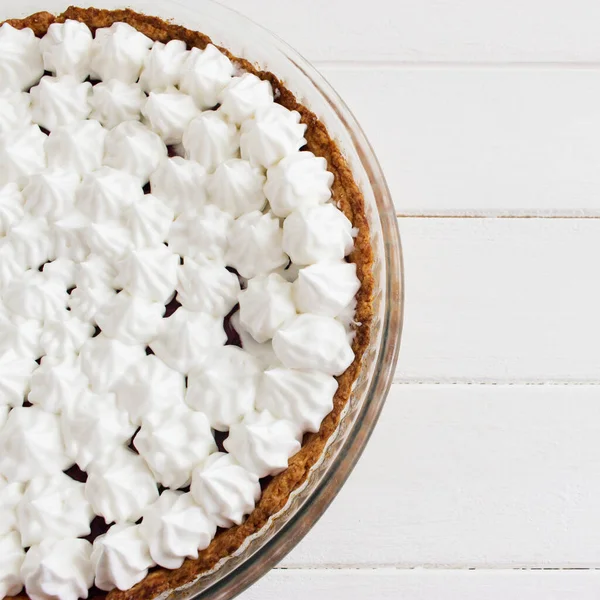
(470,476)
(487,456)
(420,584)
(500,300)
(433,30)
(486,141)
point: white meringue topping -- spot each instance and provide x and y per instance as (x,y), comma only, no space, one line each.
(205,75)
(263,352)
(132,147)
(173,443)
(95,271)
(89,261)
(207,286)
(149,220)
(32,242)
(11,559)
(224,489)
(210,140)
(120,557)
(317,233)
(21,65)
(105,361)
(28,434)
(223,386)
(106,193)
(186,337)
(9,264)
(85,302)
(118,52)
(53,506)
(50,193)
(243,96)
(66,49)
(15,375)
(255,244)
(61,270)
(58,569)
(130,319)
(149,387)
(70,241)
(180,183)
(20,335)
(93,427)
(15,111)
(263,444)
(10,496)
(34,296)
(65,336)
(314,342)
(347,317)
(175,528)
(326,288)
(120,486)
(115,102)
(298,181)
(168,113)
(149,273)
(11,207)
(302,397)
(57,384)
(22,153)
(203,235)
(163,65)
(59,101)
(274,133)
(266,305)
(237,187)
(78,146)
(110,239)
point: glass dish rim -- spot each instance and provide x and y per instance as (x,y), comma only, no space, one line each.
(262,560)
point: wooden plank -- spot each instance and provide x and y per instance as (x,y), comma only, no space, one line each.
(420,584)
(432,30)
(469,140)
(470,476)
(500,300)
(481,141)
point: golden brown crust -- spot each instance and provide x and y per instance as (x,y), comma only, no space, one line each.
(348,196)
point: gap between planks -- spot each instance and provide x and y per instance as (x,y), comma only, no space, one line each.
(433,567)
(398,380)
(500,215)
(390,65)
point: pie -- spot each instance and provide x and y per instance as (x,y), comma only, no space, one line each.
(186,295)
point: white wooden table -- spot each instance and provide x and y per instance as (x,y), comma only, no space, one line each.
(482,480)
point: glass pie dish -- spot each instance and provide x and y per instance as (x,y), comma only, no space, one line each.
(247,40)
